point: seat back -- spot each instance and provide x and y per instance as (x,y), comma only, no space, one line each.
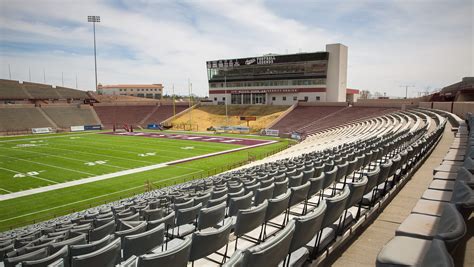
(295,180)
(272,251)
(168,221)
(357,189)
(188,215)
(330,177)
(34,255)
(277,205)
(184,205)
(202,199)
(177,256)
(108,256)
(142,243)
(316,184)
(335,207)
(140,228)
(299,193)
(210,217)
(152,214)
(249,219)
(437,255)
(80,239)
(76,250)
(307,226)
(217,201)
(280,187)
(209,240)
(372,178)
(62,253)
(239,203)
(252,188)
(341,170)
(451,227)
(307,174)
(102,231)
(263,194)
(219,193)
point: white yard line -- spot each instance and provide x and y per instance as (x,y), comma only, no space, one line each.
(32,176)
(3,189)
(120,173)
(87,199)
(49,165)
(45,137)
(61,157)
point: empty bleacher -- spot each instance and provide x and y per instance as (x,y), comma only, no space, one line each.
(119,115)
(21,119)
(13,90)
(67,116)
(302,116)
(299,209)
(163,112)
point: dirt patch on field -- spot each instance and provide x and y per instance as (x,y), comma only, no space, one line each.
(205,117)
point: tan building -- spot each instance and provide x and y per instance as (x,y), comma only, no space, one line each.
(282,79)
(154,91)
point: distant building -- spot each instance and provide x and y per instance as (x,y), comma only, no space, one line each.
(154,91)
(282,79)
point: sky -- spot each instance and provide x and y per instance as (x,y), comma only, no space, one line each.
(427,44)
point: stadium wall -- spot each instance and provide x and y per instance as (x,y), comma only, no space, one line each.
(322,104)
(458,108)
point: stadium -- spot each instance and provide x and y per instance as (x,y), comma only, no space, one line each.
(280,164)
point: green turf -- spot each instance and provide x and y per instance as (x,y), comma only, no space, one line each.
(63,158)
(121,152)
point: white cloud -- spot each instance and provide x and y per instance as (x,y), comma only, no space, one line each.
(421,43)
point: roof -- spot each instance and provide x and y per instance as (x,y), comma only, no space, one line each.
(158,85)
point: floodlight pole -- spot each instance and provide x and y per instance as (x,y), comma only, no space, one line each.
(94,19)
(225,90)
(406,89)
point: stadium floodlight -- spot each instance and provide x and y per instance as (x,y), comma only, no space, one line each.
(94,19)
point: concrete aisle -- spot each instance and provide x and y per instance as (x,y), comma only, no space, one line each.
(363,251)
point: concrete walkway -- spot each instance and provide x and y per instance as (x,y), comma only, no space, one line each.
(364,250)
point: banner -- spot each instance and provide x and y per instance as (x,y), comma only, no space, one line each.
(270,132)
(154,126)
(41,130)
(92,127)
(296,136)
(233,128)
(77,128)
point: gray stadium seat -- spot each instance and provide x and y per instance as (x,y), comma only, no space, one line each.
(335,207)
(210,217)
(280,187)
(264,193)
(272,251)
(249,219)
(34,255)
(175,256)
(239,203)
(62,253)
(299,194)
(168,221)
(102,231)
(142,243)
(76,250)
(107,256)
(306,227)
(210,240)
(137,229)
(185,220)
(78,240)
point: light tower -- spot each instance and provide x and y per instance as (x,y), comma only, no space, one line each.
(94,19)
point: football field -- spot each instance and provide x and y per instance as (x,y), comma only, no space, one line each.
(45,176)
